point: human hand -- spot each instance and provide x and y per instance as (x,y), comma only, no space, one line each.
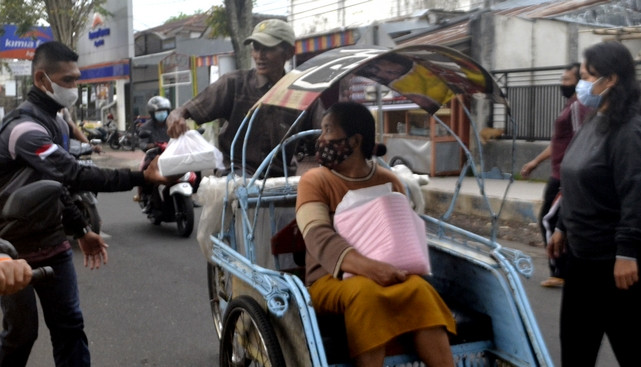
(97,148)
(384,274)
(14,275)
(556,245)
(626,273)
(528,168)
(152,174)
(176,123)
(94,249)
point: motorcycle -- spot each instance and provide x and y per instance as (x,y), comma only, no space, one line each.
(113,135)
(173,203)
(98,132)
(86,201)
(125,139)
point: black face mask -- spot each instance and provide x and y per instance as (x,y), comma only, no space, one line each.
(568,90)
(331,153)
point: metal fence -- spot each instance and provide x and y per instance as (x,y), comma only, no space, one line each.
(535,101)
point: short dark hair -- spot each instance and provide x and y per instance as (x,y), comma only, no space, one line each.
(575,67)
(49,54)
(613,58)
(354,118)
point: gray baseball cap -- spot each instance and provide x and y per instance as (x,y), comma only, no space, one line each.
(271,32)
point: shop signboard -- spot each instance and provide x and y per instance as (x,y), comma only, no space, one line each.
(15,46)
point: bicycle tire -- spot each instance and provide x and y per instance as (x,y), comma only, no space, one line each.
(246,322)
(219,285)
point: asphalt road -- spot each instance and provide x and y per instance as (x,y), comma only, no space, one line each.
(148,306)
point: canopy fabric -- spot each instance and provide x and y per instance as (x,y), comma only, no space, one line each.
(429,76)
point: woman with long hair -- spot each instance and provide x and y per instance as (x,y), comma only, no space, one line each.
(600,226)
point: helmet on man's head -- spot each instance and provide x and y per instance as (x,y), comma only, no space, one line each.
(159,108)
(158,103)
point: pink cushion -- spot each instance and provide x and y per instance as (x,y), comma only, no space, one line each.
(386,229)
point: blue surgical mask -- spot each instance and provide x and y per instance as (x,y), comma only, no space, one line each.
(161,116)
(585,96)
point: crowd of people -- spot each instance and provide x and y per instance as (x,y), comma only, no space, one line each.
(593,244)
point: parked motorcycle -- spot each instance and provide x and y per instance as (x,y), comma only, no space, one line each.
(85,200)
(114,139)
(127,140)
(98,132)
(113,134)
(164,203)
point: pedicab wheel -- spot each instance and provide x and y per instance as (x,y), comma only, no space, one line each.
(184,215)
(219,284)
(248,337)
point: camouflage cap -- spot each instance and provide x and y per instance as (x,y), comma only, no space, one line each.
(271,32)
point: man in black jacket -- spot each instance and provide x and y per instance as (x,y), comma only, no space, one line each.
(32,138)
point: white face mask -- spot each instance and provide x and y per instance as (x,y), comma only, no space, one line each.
(65,97)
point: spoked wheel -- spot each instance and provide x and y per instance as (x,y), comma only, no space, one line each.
(184,215)
(219,283)
(248,338)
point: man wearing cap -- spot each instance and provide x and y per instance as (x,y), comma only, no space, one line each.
(231,97)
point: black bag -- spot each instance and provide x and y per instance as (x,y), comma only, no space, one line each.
(44,219)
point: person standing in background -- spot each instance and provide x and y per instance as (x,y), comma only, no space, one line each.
(599,224)
(566,124)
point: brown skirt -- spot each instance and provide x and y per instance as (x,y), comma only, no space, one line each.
(375,315)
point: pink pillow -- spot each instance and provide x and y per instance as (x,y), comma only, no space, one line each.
(388,230)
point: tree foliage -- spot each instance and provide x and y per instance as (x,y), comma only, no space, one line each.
(67,18)
(182,16)
(235,20)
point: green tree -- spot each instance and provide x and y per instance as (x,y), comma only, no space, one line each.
(182,16)
(67,18)
(235,20)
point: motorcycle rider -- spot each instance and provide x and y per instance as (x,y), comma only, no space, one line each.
(156,127)
(152,132)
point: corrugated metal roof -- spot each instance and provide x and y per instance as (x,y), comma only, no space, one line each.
(195,23)
(542,9)
(458,32)
(445,36)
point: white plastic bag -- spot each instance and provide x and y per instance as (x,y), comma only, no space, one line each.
(189,152)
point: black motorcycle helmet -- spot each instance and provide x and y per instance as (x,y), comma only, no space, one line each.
(158,108)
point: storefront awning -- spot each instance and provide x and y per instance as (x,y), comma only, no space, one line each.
(326,41)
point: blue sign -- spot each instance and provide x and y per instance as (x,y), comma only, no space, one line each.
(13,46)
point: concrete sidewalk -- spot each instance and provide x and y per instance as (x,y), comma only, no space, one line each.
(522,203)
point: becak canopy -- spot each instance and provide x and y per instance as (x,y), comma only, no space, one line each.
(429,76)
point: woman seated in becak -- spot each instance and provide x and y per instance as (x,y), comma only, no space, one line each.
(381,302)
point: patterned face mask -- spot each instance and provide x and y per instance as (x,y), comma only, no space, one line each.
(331,153)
